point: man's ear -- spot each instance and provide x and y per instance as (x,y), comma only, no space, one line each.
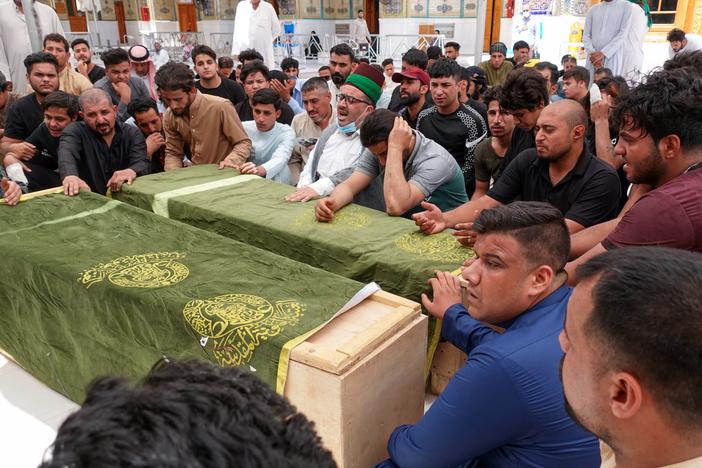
(82,116)
(625,395)
(277,114)
(670,146)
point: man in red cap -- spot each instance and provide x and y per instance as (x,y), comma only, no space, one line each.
(143,68)
(414,86)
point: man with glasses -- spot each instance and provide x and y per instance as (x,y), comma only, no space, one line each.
(339,147)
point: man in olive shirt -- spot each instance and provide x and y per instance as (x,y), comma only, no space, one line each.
(496,68)
(208,125)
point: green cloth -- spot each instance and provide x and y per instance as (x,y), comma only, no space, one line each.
(369,87)
(361,244)
(93,287)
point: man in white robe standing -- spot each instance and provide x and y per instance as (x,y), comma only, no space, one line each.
(634,56)
(607,27)
(256,25)
(14,38)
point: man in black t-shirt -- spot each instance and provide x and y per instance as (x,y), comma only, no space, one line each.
(412,58)
(560,171)
(41,171)
(26,113)
(205,60)
(455,126)
(255,76)
(82,53)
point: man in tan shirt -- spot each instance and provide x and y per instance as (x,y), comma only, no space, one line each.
(70,81)
(208,125)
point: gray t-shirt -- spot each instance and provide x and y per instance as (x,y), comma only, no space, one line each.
(430,168)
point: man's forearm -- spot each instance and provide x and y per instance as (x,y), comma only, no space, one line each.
(342,196)
(396,190)
(603,145)
(586,239)
(468,212)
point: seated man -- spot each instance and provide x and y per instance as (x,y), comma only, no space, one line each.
(490,153)
(84,59)
(210,82)
(338,148)
(497,67)
(143,68)
(144,111)
(41,170)
(412,168)
(291,67)
(414,86)
(308,126)
(285,85)
(118,81)
(225,68)
(70,80)
(660,142)
(26,113)
(505,406)
(632,343)
(560,171)
(576,83)
(121,424)
(216,136)
(521,53)
(550,72)
(100,152)
(272,141)
(255,76)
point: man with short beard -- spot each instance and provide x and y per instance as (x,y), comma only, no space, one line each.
(414,86)
(341,64)
(26,113)
(70,80)
(308,126)
(83,55)
(496,68)
(100,152)
(146,117)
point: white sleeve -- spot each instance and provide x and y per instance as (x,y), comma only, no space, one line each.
(587,33)
(306,177)
(282,153)
(617,41)
(323,186)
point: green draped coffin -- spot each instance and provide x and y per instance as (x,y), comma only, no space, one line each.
(361,243)
(92,286)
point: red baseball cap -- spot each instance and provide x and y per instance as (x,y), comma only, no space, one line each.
(414,73)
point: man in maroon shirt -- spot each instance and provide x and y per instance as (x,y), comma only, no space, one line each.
(661,144)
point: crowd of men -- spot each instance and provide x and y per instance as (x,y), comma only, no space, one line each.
(557,179)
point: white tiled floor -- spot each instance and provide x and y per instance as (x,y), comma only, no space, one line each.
(30,414)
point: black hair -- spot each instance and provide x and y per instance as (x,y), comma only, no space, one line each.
(278,75)
(568,58)
(141,104)
(342,49)
(252,68)
(174,76)
(203,50)
(604,71)
(445,67)
(551,67)
(225,62)
(434,52)
(266,96)
(56,37)
(364,60)
(578,74)
(314,83)
(691,61)
(62,100)
(538,227)
(289,62)
(524,89)
(492,94)
(79,41)
(646,321)
(676,35)
(665,103)
(190,413)
(249,55)
(39,57)
(615,86)
(416,58)
(520,45)
(114,56)
(323,67)
(386,62)
(453,44)
(377,67)
(377,126)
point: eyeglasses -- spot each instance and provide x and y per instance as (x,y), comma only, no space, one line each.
(350,99)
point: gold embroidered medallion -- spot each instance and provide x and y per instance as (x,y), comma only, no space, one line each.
(151,270)
(440,248)
(348,217)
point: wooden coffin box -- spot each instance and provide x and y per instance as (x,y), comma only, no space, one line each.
(361,376)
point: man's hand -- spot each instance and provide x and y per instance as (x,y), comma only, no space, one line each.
(23,150)
(430,221)
(599,111)
(82,68)
(597,59)
(324,211)
(302,195)
(400,137)
(119,178)
(229,163)
(12,192)
(72,185)
(154,142)
(11,158)
(252,168)
(465,234)
(280,88)
(123,91)
(447,292)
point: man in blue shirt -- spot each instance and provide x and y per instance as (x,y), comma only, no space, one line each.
(505,406)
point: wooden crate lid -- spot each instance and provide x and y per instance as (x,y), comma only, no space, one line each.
(355,334)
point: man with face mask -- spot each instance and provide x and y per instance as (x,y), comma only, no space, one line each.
(14,37)
(339,147)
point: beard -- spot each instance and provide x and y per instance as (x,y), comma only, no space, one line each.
(338,78)
(409,99)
